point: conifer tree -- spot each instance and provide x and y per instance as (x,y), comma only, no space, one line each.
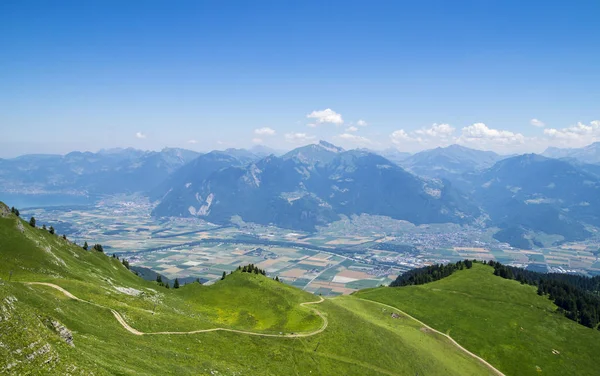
(176,283)
(51,230)
(43,227)
(224,275)
(85,246)
(17,213)
(32,222)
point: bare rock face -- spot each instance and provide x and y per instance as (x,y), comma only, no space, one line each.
(4,210)
(20,226)
(63,332)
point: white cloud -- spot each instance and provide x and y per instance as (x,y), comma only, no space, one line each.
(537,123)
(424,138)
(400,136)
(311,125)
(257,140)
(299,138)
(436,130)
(477,136)
(192,142)
(326,116)
(352,128)
(575,136)
(480,136)
(355,139)
(140,135)
(361,123)
(265,131)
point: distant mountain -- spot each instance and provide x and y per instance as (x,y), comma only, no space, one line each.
(243,155)
(313,154)
(312,186)
(393,154)
(587,154)
(180,188)
(264,151)
(534,193)
(449,162)
(105,172)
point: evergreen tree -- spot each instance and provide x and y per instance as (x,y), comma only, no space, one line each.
(176,283)
(85,246)
(32,222)
(159,278)
(224,275)
(12,210)
(51,230)
(17,213)
(43,227)
(198,280)
(98,247)
(167,285)
(277,278)
(125,263)
(64,237)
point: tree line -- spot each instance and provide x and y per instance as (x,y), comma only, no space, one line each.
(576,296)
(426,274)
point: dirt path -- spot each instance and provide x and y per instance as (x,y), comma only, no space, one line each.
(131,330)
(483,361)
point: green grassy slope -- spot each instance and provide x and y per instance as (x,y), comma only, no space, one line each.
(360,339)
(504,322)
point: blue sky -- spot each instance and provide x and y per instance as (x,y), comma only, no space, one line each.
(508,76)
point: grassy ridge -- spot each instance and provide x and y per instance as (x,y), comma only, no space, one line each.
(361,338)
(504,322)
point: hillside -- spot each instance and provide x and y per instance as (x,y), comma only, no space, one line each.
(506,323)
(106,320)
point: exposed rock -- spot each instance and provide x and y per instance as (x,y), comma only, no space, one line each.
(4,210)
(63,332)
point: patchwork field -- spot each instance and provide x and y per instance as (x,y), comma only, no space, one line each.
(363,251)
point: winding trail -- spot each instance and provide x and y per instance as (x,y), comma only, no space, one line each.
(483,361)
(136,332)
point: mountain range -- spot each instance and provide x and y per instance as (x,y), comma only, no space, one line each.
(312,186)
(524,196)
(588,154)
(449,162)
(106,172)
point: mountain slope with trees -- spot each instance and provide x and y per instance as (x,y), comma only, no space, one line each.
(505,322)
(69,336)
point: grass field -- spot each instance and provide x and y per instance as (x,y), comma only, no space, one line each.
(506,323)
(361,338)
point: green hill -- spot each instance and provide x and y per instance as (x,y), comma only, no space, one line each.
(506,323)
(246,324)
